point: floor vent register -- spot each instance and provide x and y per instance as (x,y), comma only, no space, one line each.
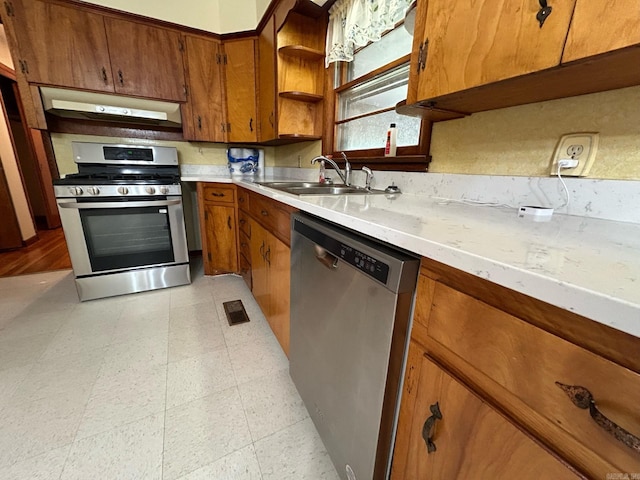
(235,312)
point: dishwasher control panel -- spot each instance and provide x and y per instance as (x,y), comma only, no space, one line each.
(371,266)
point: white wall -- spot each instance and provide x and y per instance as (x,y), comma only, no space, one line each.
(5,56)
(217,16)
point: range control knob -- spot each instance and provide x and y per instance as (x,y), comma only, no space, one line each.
(123,190)
(164,190)
(93,190)
(150,190)
(75,191)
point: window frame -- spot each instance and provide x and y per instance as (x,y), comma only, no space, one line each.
(408,158)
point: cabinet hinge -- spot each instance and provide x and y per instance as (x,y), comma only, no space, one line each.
(422,55)
(206,215)
(180,45)
(224,58)
(8,6)
(209,255)
(218,58)
(228,127)
(186,90)
(222,127)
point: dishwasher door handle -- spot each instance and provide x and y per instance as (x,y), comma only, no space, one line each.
(325,258)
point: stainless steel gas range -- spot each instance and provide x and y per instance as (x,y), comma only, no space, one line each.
(123,219)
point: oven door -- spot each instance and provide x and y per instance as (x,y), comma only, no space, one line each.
(110,235)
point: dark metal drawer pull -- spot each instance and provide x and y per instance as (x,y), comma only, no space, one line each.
(544,12)
(429,427)
(214,194)
(582,398)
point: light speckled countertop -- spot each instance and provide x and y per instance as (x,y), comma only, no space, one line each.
(586,265)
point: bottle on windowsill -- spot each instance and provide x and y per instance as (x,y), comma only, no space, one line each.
(390,145)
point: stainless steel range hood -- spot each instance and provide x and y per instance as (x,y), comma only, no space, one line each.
(110,108)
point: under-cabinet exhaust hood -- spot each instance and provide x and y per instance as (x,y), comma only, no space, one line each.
(109,108)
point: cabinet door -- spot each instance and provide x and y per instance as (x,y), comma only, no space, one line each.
(259,272)
(267,79)
(240,74)
(63,46)
(205,116)
(146,61)
(221,250)
(599,27)
(278,261)
(465,437)
(476,43)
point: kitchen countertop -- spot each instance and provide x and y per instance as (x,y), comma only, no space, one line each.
(585,265)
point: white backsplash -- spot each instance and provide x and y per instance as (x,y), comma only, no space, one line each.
(617,200)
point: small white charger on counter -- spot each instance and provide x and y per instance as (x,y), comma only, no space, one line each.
(535,213)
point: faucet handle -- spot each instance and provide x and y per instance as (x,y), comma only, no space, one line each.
(369,173)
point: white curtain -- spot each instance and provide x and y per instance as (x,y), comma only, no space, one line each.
(354,23)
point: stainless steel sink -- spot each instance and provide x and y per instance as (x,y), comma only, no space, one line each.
(311,188)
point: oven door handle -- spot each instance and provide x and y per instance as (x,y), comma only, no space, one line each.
(156,203)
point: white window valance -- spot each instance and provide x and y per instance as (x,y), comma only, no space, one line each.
(354,23)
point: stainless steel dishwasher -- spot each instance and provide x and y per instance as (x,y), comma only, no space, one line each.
(351,303)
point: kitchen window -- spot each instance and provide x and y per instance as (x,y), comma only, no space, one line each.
(366,91)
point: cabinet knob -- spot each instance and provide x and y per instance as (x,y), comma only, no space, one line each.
(582,398)
(429,427)
(544,12)
(264,213)
(104,75)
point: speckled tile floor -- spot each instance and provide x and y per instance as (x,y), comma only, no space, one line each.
(154,385)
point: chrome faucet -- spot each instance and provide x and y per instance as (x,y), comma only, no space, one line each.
(369,174)
(346,177)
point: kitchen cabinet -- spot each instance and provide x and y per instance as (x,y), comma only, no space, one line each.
(203,115)
(75,47)
(468,44)
(267,81)
(600,27)
(240,76)
(467,58)
(510,368)
(146,60)
(59,45)
(292,79)
(218,220)
(468,438)
(270,272)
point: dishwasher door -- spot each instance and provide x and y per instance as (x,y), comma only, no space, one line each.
(351,300)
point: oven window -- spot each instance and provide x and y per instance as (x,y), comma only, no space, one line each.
(127,237)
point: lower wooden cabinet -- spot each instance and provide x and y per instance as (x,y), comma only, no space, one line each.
(523,389)
(270,274)
(449,432)
(218,225)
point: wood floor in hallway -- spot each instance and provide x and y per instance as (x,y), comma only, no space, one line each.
(48,253)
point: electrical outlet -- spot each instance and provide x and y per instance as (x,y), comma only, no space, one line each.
(575,146)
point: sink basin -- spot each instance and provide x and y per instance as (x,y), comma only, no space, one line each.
(311,188)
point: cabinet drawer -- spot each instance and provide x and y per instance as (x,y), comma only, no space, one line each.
(219,193)
(243,199)
(243,223)
(528,363)
(272,216)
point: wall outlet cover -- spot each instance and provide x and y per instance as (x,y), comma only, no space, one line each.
(575,146)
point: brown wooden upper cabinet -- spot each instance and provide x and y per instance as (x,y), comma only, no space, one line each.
(73,47)
(60,45)
(203,115)
(240,75)
(600,27)
(469,44)
(267,81)
(291,79)
(146,60)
